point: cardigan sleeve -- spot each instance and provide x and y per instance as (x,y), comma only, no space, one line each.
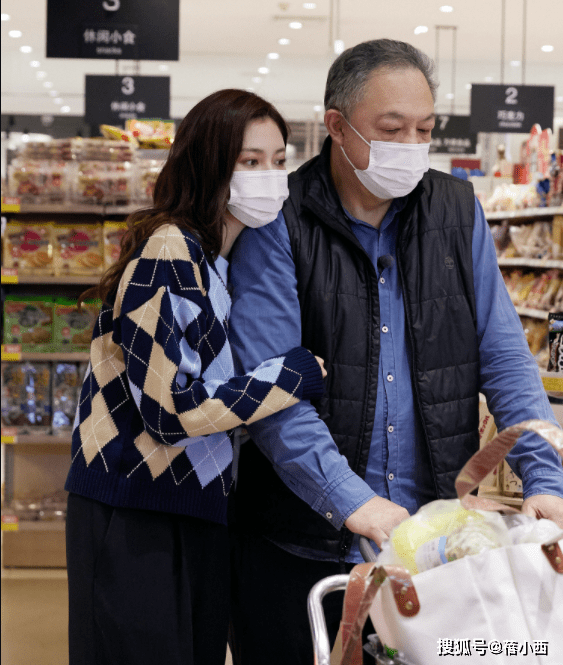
(172,330)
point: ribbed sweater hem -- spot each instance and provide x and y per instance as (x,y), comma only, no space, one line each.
(302,361)
(122,492)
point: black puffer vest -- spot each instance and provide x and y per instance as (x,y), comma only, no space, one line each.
(338,293)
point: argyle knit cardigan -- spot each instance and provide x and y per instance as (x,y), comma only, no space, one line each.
(160,398)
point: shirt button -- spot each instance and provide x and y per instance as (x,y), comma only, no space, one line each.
(389,378)
(329,515)
(391,476)
(390,428)
(384,329)
(382,280)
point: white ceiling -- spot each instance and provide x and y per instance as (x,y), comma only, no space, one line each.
(223,42)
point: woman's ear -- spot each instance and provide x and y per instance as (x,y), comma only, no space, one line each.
(334,123)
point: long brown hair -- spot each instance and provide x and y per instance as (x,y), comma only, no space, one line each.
(192,190)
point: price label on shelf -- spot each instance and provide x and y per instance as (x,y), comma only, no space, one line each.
(11,352)
(11,204)
(9,275)
(10,523)
(9,435)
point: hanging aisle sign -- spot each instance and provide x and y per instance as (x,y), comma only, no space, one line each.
(112,100)
(452,134)
(115,29)
(511,108)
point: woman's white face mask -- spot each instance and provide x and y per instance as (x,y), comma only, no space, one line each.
(394,169)
(257,196)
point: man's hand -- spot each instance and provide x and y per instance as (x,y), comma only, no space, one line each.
(544,505)
(376,519)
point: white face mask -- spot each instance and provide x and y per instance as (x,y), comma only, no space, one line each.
(257,196)
(394,169)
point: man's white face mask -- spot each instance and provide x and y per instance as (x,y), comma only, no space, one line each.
(257,196)
(394,169)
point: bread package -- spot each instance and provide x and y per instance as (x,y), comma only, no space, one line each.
(73,328)
(29,248)
(113,233)
(28,321)
(26,397)
(77,249)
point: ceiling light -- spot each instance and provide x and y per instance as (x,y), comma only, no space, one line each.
(284,41)
(450,95)
(420,29)
(559,99)
(163,68)
(318,108)
(249,89)
(446,9)
(263,70)
(256,79)
(53,93)
(547,48)
(65,109)
(5,17)
(273,56)
(25,137)
(488,79)
(58,100)
(48,84)
(15,33)
(309,5)
(338,46)
(468,86)
(26,49)
(35,63)
(41,75)
(296,25)
(515,63)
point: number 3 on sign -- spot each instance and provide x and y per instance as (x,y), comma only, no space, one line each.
(111,5)
(127,85)
(511,94)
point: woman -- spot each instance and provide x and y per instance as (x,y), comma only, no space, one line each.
(151,456)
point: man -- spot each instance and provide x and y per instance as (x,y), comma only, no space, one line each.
(388,272)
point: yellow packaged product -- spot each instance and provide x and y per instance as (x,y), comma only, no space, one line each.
(113,234)
(78,249)
(29,248)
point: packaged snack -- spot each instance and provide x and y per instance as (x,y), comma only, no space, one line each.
(536,334)
(442,531)
(28,247)
(77,249)
(103,182)
(29,321)
(65,391)
(555,320)
(113,233)
(147,174)
(72,328)
(26,397)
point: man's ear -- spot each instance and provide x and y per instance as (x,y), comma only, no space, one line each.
(334,124)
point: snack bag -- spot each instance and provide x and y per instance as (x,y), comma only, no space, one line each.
(113,233)
(555,342)
(73,328)
(65,391)
(26,397)
(29,321)
(28,247)
(77,249)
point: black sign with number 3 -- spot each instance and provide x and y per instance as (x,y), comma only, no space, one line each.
(511,108)
(115,29)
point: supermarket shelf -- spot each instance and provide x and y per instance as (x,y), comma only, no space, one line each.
(39,525)
(34,574)
(40,440)
(531,263)
(524,214)
(55,279)
(552,382)
(532,313)
(75,209)
(71,357)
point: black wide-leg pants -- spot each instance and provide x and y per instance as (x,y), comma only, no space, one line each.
(145,587)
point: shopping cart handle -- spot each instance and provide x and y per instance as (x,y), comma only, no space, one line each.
(367,551)
(319,632)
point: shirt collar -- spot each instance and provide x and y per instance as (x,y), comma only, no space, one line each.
(396,206)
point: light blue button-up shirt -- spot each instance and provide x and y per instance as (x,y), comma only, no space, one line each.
(265,320)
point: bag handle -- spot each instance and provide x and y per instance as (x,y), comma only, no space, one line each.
(367,578)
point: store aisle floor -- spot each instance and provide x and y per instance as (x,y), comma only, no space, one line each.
(34,622)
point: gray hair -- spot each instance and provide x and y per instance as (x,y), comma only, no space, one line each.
(349,72)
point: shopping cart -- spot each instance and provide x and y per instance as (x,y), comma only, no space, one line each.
(321,646)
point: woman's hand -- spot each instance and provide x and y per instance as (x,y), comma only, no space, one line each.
(322,365)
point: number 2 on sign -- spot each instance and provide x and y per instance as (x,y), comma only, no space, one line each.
(111,5)
(511,94)
(127,85)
